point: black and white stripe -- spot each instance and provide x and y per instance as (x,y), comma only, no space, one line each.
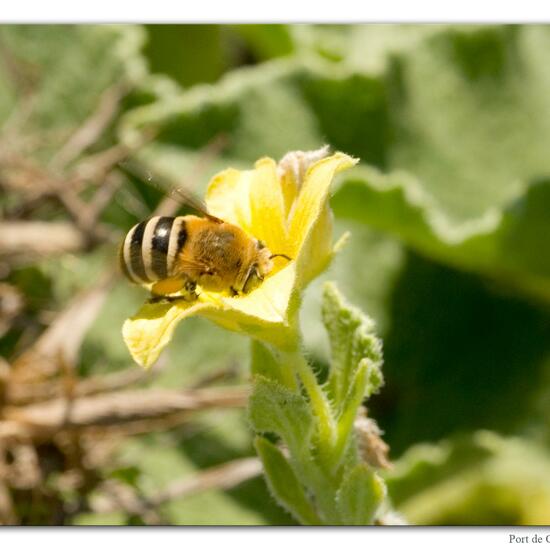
(150,249)
(160,243)
(178,237)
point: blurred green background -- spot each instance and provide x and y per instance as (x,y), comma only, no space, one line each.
(449,213)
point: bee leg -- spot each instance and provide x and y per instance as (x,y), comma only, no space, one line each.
(162,299)
(233,291)
(171,299)
(190,288)
(162,291)
(155,299)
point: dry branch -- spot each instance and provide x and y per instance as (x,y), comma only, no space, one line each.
(11,304)
(372,448)
(102,198)
(113,409)
(31,239)
(23,394)
(61,341)
(92,128)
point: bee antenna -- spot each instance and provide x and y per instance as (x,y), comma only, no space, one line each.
(281,256)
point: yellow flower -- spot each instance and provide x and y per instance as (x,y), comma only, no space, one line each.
(285,206)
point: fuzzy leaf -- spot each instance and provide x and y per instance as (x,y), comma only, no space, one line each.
(274,408)
(360,495)
(265,361)
(353,344)
(284,484)
(505,244)
(479,478)
(267,41)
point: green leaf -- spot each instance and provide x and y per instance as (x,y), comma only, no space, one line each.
(266,362)
(284,484)
(506,245)
(267,41)
(255,107)
(467,349)
(353,344)
(426,465)
(275,408)
(467,198)
(360,495)
(187,53)
(475,479)
(365,374)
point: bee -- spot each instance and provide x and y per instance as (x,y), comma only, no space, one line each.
(177,254)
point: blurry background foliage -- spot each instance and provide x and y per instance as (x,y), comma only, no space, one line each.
(449,212)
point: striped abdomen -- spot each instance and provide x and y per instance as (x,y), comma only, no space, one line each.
(150,248)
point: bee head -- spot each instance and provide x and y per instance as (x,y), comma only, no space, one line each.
(260,267)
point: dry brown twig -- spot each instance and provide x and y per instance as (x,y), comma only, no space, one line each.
(92,128)
(222,477)
(118,497)
(63,338)
(112,409)
(30,240)
(7,512)
(219,375)
(11,305)
(52,182)
(23,472)
(23,394)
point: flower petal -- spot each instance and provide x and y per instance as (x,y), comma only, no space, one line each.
(149,331)
(266,313)
(291,171)
(228,195)
(262,314)
(253,200)
(314,194)
(310,229)
(267,207)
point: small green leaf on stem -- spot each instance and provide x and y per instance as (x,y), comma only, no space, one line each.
(284,484)
(266,361)
(352,341)
(360,495)
(275,408)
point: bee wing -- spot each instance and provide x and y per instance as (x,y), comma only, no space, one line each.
(185,196)
(181,194)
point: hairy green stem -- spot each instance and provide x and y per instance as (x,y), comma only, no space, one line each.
(287,370)
(321,477)
(319,401)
